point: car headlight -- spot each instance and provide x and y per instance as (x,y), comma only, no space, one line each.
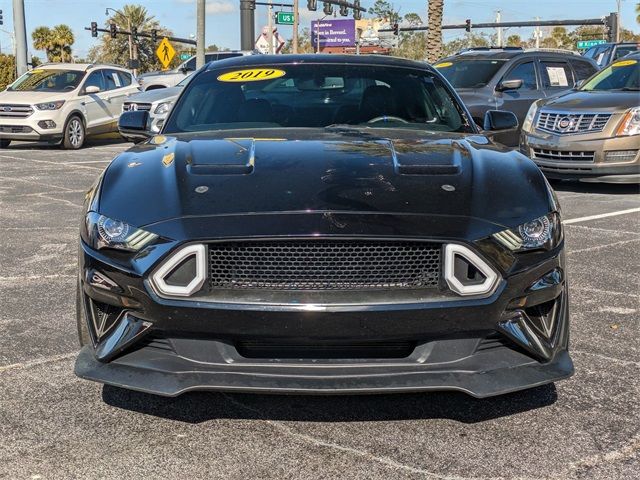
(50,105)
(531,115)
(630,124)
(541,233)
(104,232)
(162,108)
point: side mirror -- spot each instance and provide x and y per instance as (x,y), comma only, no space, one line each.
(509,85)
(92,89)
(184,69)
(499,121)
(133,125)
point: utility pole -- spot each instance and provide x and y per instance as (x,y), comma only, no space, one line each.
(499,29)
(270,27)
(538,33)
(20,35)
(200,26)
(619,30)
(247,24)
(295,26)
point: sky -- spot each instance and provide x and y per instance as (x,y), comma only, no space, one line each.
(223,20)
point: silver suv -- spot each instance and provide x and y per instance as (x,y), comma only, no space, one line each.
(64,102)
(170,78)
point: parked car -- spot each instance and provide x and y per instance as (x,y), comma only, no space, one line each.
(170,78)
(592,134)
(64,102)
(606,53)
(157,102)
(512,79)
(322,224)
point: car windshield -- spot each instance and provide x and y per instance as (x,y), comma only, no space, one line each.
(317,96)
(48,80)
(469,73)
(620,75)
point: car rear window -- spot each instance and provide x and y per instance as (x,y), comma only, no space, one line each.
(317,96)
(469,73)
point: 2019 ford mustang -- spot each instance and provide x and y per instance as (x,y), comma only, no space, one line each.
(322,224)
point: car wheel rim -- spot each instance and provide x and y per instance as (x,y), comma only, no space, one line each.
(75,132)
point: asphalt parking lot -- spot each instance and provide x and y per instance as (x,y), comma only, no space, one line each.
(53,425)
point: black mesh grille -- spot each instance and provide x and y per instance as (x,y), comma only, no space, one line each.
(324,265)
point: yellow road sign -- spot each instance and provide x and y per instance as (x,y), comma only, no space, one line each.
(165,52)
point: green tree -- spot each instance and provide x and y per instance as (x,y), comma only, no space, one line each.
(56,42)
(515,41)
(304,43)
(116,50)
(638,12)
(8,69)
(435,10)
(385,10)
(467,41)
(411,45)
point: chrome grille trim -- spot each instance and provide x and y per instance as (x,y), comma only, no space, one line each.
(132,106)
(577,123)
(563,156)
(15,111)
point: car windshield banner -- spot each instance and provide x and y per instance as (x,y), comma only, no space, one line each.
(333,33)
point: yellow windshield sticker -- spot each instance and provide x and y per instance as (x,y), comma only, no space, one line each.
(37,71)
(252,75)
(624,63)
(443,64)
(158,139)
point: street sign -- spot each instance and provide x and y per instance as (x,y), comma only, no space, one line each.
(185,56)
(284,18)
(584,44)
(165,52)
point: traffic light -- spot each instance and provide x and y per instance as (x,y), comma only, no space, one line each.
(468,24)
(154,36)
(396,29)
(312,5)
(357,14)
(94,29)
(327,8)
(344,10)
(134,33)
(1,19)
(113,30)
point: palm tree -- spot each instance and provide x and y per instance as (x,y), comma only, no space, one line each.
(638,12)
(56,42)
(62,39)
(434,33)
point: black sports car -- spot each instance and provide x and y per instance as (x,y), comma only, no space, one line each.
(322,224)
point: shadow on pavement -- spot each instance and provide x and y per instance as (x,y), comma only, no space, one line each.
(197,407)
(597,188)
(93,141)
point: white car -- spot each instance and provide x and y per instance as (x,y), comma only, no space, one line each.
(64,102)
(157,102)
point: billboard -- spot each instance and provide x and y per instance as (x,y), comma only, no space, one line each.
(333,33)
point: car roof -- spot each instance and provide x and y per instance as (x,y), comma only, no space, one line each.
(496,54)
(79,66)
(328,59)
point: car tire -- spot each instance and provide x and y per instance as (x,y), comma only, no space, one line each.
(74,133)
(4,143)
(81,319)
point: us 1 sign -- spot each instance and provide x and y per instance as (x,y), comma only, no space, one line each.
(582,44)
(284,18)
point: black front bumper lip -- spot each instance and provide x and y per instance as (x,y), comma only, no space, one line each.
(172,379)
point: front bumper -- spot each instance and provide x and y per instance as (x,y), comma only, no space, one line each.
(597,170)
(482,346)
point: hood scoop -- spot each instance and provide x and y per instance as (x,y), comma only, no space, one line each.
(427,157)
(231,156)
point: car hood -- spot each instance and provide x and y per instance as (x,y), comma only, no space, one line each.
(31,98)
(159,94)
(605,101)
(443,177)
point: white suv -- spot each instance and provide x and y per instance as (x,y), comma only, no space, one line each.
(64,102)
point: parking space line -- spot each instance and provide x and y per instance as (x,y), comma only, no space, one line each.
(602,215)
(49,162)
(600,247)
(65,189)
(40,361)
(606,230)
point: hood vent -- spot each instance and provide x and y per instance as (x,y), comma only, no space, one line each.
(221,157)
(427,158)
